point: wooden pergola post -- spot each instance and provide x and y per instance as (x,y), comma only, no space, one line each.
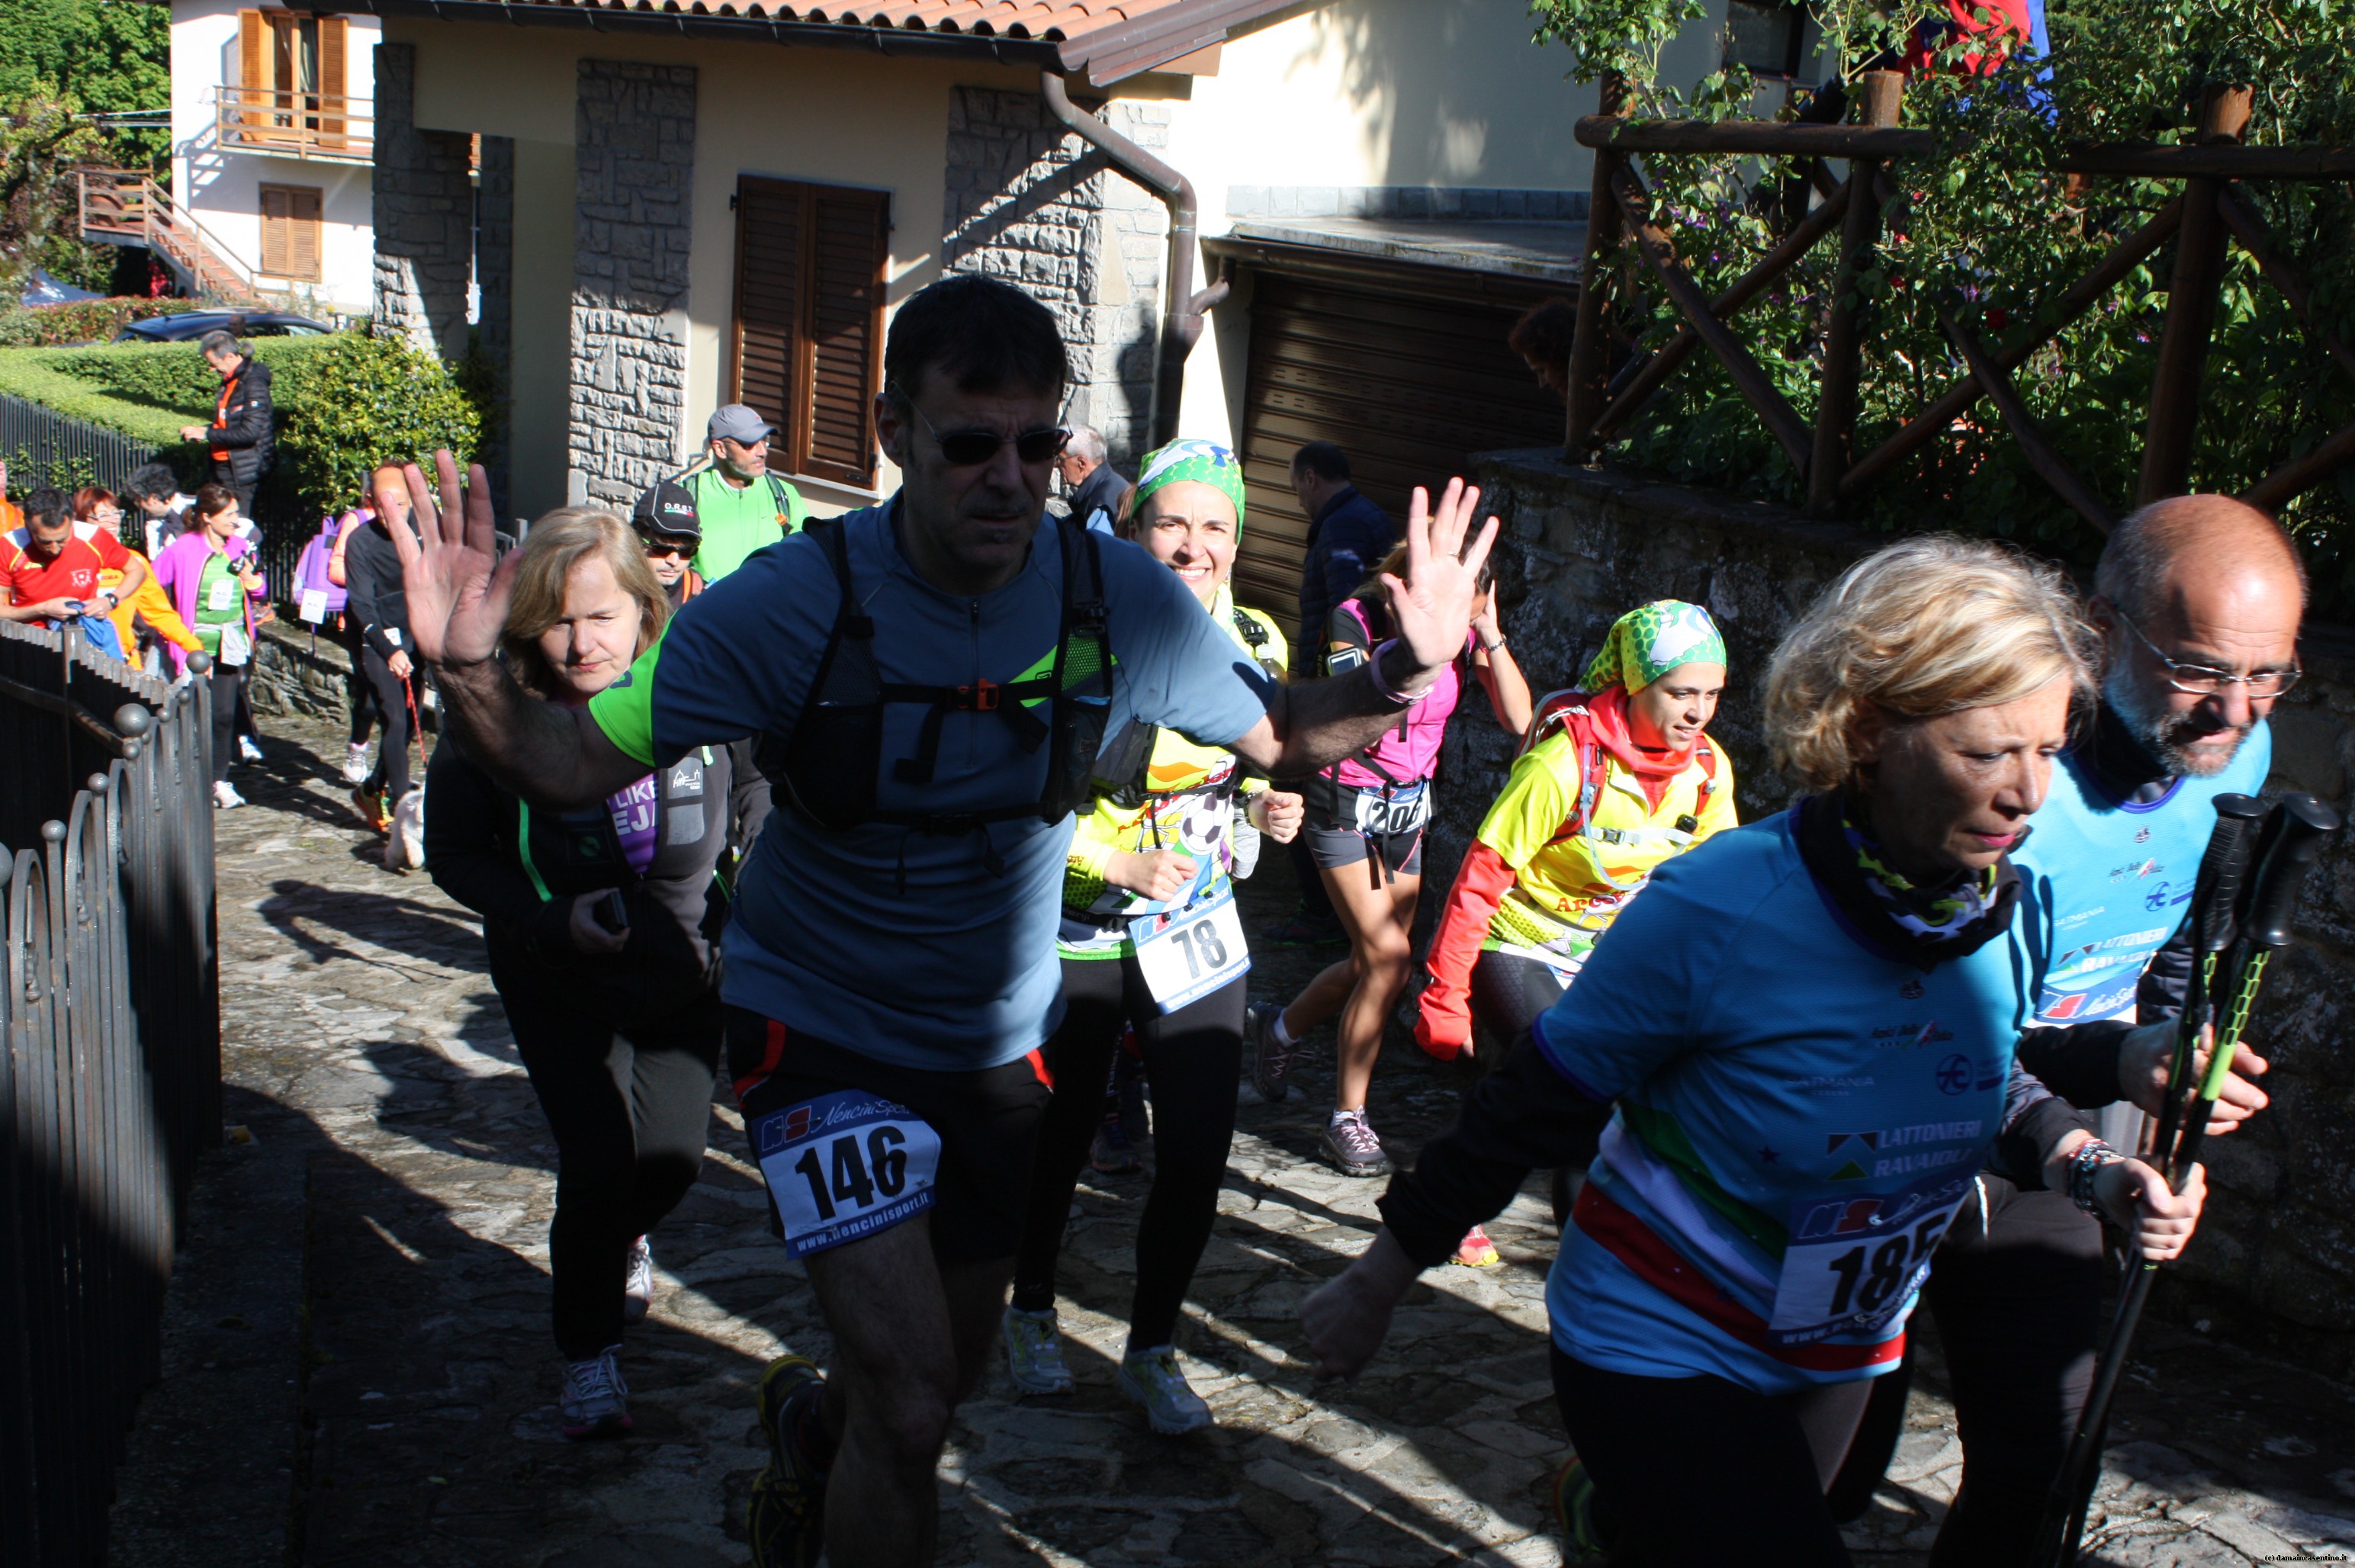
(2191,308)
(1844,334)
(1590,348)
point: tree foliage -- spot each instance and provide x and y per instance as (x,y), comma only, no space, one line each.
(1984,229)
(62,64)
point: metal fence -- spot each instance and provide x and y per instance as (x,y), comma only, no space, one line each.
(109,1078)
(42,447)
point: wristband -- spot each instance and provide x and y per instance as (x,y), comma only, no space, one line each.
(2084,1167)
(1496,647)
(1389,693)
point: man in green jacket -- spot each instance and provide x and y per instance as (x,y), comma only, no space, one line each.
(738,503)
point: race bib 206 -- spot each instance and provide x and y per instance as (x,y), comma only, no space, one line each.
(1395,812)
(844,1166)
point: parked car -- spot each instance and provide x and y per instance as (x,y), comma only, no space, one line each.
(194,324)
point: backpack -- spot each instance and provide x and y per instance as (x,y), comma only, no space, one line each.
(1553,712)
(315,594)
(831,762)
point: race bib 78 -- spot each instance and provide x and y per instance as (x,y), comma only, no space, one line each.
(844,1166)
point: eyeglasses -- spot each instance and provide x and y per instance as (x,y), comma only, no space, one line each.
(972,448)
(2206,680)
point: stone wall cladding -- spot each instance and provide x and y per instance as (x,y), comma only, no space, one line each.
(1028,202)
(634,166)
(2274,1261)
(495,285)
(423,197)
(1456,203)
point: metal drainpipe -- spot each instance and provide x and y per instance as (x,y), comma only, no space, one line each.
(1181,307)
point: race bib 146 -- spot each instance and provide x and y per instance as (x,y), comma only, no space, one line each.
(844,1166)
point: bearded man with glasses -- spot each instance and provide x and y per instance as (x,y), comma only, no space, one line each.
(929,680)
(2198,600)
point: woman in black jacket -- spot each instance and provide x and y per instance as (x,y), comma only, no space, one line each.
(602,927)
(244,426)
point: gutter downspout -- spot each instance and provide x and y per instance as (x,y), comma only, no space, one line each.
(1181,307)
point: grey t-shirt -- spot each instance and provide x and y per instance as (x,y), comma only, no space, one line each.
(959,970)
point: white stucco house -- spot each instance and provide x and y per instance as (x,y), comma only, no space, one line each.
(683,203)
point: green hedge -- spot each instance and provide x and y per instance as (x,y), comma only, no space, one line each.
(82,321)
(344,403)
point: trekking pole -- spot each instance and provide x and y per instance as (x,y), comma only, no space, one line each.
(2254,925)
(2232,845)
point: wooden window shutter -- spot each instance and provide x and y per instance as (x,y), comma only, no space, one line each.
(769,338)
(809,321)
(277,230)
(252,65)
(303,238)
(333,42)
(849,239)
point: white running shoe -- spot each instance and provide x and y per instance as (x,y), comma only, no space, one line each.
(638,1290)
(356,763)
(595,1402)
(224,796)
(1151,1378)
(1034,1353)
(248,750)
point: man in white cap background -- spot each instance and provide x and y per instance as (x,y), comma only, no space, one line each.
(740,505)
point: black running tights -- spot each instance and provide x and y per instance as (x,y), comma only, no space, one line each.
(629,1107)
(1193,1060)
(1700,1470)
(396,702)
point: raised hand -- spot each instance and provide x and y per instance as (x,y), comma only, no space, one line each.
(457,588)
(1432,606)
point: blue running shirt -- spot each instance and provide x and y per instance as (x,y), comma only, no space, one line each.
(957,972)
(1798,1116)
(2106,881)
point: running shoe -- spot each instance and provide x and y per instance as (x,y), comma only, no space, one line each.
(1476,1250)
(1113,1154)
(595,1402)
(1573,1514)
(638,1289)
(224,796)
(356,763)
(1352,1148)
(1034,1351)
(370,806)
(1271,1063)
(1151,1378)
(786,1522)
(248,749)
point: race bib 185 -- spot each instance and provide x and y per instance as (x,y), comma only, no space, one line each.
(844,1166)
(1854,1264)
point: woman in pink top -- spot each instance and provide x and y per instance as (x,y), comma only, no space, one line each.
(1364,829)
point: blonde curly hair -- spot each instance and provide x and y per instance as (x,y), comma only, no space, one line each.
(1928,626)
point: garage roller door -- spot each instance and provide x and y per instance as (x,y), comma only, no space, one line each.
(1409,384)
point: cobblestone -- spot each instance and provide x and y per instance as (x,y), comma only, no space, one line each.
(399,1168)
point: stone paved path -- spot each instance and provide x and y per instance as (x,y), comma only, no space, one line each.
(360,1371)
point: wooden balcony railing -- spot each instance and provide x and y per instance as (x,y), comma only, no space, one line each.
(126,207)
(2211,211)
(326,126)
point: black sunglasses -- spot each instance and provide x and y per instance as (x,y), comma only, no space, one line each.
(972,448)
(669,544)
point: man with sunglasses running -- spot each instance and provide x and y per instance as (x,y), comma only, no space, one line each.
(929,677)
(2198,600)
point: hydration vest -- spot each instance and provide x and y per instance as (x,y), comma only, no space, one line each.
(830,766)
(1553,713)
(1122,773)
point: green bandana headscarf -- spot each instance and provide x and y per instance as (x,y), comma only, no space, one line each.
(1203,462)
(1645,643)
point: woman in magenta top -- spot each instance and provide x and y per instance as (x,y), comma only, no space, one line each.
(1365,825)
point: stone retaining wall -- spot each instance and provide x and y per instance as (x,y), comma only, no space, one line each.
(2276,1262)
(295,672)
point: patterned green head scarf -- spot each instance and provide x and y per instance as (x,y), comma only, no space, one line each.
(1203,462)
(1645,643)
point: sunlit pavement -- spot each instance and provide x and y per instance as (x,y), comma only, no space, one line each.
(359,1369)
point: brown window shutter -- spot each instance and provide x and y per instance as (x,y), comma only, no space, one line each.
(332,41)
(277,211)
(303,234)
(851,233)
(253,64)
(769,338)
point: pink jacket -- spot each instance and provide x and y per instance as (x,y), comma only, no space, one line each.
(181,566)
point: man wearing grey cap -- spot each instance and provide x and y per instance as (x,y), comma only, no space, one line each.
(740,505)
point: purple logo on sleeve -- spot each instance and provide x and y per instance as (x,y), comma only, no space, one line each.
(634,823)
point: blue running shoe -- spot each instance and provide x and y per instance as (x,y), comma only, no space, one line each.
(786,1522)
